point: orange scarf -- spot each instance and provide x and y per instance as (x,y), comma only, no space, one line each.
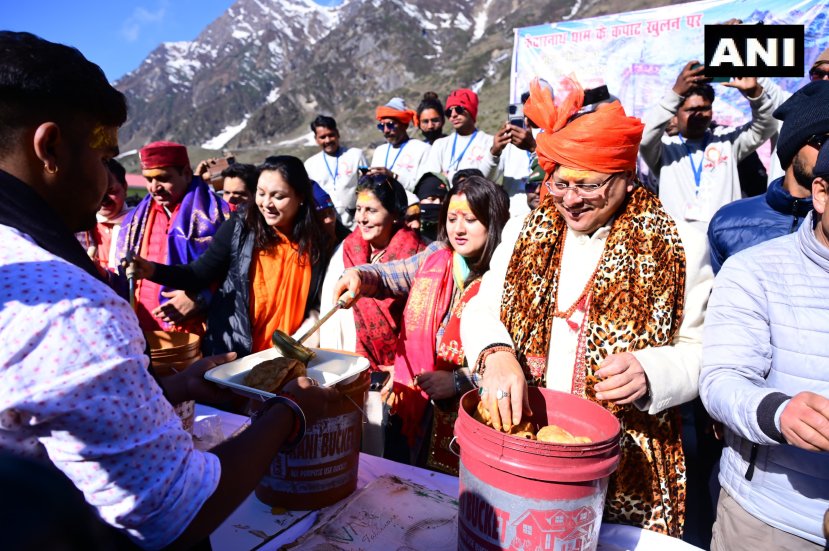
(278,292)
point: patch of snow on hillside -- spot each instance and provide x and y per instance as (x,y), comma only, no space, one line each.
(240,35)
(492,66)
(478,85)
(573,10)
(225,135)
(179,60)
(463,22)
(272,96)
(445,19)
(306,140)
(481,20)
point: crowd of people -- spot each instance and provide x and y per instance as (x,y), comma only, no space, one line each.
(576,251)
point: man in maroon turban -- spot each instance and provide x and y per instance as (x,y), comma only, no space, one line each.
(599,293)
(173,224)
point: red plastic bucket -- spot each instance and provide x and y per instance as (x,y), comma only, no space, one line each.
(525,494)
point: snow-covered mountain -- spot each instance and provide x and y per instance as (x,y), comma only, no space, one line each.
(260,72)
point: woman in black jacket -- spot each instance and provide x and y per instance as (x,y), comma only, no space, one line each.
(269,259)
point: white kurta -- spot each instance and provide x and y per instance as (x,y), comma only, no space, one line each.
(338,176)
(408,161)
(339,332)
(455,152)
(514,169)
(672,370)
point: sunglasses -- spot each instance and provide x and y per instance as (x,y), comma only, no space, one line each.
(386,126)
(818,74)
(455,108)
(817,140)
(366,181)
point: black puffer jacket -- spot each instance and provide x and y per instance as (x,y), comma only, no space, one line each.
(228,260)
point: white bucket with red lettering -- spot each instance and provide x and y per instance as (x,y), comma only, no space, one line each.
(323,468)
(525,494)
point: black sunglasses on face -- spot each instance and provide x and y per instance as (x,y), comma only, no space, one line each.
(386,125)
(455,108)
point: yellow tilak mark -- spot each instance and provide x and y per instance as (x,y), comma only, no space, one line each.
(459,204)
(104,137)
(365,195)
(574,173)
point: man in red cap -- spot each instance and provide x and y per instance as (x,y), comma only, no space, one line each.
(598,293)
(401,158)
(173,224)
(467,146)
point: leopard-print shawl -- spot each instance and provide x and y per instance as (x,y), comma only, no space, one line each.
(636,302)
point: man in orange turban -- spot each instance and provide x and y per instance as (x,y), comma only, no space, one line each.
(401,158)
(599,293)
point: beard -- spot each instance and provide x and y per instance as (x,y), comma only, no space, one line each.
(802,175)
(432,135)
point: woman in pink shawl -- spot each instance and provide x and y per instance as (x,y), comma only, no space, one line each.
(430,371)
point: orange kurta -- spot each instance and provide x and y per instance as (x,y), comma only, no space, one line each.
(279,288)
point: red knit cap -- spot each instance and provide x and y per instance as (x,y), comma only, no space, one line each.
(163,154)
(466,98)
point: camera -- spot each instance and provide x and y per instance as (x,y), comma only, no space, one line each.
(214,171)
(516,114)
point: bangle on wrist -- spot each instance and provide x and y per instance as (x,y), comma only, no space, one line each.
(297,432)
(457,380)
(480,364)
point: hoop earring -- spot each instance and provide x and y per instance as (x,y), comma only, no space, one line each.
(46,168)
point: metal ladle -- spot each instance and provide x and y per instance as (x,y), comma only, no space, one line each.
(293,348)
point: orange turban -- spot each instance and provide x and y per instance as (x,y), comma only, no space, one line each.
(396,110)
(606,140)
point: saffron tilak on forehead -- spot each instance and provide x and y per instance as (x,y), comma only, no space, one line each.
(459,203)
(365,195)
(574,173)
(104,137)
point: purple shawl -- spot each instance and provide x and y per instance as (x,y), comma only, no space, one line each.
(199,217)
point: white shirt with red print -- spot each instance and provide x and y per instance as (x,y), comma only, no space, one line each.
(74,389)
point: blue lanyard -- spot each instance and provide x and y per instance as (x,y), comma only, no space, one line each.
(336,167)
(457,161)
(697,169)
(386,163)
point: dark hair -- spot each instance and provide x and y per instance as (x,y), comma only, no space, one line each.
(42,81)
(465,173)
(704,90)
(324,122)
(390,193)
(307,232)
(430,101)
(490,204)
(118,170)
(249,174)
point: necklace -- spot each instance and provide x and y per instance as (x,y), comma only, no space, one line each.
(581,301)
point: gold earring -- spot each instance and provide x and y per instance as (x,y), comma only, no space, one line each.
(46,168)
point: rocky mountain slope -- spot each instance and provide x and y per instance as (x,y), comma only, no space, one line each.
(254,78)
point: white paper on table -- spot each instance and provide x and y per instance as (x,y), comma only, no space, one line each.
(421,519)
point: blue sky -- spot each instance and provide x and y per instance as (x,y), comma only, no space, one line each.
(117,35)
